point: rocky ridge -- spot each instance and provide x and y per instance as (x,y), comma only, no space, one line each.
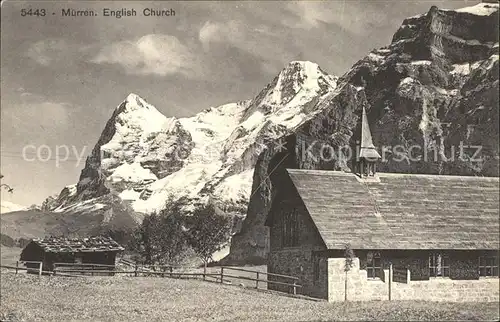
(435,86)
(145,158)
(429,92)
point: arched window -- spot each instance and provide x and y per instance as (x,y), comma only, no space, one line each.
(290,228)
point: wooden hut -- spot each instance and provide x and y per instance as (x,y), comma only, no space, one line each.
(91,250)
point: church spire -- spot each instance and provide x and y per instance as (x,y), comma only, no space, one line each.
(368,155)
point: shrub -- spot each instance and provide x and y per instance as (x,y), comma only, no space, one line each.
(7,241)
(22,242)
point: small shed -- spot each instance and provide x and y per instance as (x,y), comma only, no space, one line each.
(90,250)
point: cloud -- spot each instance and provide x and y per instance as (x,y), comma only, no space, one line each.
(231,32)
(258,40)
(157,54)
(55,51)
(310,15)
(35,109)
(44,51)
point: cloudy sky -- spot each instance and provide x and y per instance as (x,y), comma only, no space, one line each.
(61,77)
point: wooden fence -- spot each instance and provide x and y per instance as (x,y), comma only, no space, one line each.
(28,269)
(84,268)
(293,284)
(223,275)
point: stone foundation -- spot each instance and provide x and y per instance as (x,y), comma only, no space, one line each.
(360,288)
(303,268)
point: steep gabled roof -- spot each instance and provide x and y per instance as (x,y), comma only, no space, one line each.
(367,150)
(75,245)
(401,211)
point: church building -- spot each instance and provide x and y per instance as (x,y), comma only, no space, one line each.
(364,235)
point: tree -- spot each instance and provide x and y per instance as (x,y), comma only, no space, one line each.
(144,242)
(122,236)
(208,231)
(6,186)
(173,242)
(161,238)
(349,263)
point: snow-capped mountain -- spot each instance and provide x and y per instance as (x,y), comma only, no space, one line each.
(145,157)
(435,86)
(433,90)
(7,206)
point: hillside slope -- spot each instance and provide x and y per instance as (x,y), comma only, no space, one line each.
(7,206)
(100,216)
(167,299)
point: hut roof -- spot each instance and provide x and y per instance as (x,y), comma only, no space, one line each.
(74,245)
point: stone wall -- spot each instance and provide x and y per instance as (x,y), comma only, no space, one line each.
(485,289)
(360,288)
(299,262)
(303,261)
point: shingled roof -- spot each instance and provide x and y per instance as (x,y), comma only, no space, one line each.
(401,211)
(75,245)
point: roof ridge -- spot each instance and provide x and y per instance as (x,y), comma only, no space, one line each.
(382,174)
(438,175)
(320,172)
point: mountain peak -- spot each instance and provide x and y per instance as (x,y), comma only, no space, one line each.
(297,83)
(305,68)
(306,73)
(304,64)
(133,102)
(133,97)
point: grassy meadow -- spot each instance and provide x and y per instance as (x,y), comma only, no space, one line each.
(26,297)
(9,255)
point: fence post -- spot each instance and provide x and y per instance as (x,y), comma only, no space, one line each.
(222,274)
(171,269)
(17,265)
(257,281)
(135,271)
(390,281)
(294,287)
(40,269)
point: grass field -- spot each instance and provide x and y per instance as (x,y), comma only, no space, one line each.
(31,298)
(9,255)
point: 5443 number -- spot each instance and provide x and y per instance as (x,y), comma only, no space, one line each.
(33,12)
